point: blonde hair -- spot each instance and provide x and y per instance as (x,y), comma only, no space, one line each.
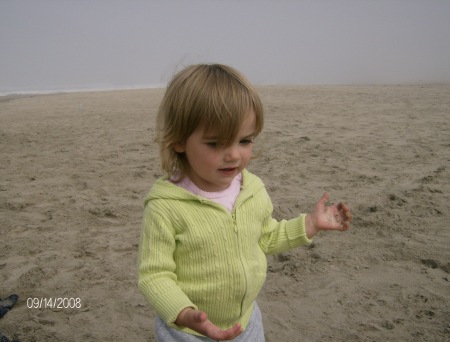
(212,96)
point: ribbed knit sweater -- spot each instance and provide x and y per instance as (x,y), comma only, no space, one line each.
(195,253)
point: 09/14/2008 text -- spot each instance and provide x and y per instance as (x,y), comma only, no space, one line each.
(54,303)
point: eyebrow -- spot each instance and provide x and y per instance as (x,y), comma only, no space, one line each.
(252,135)
(215,137)
(209,137)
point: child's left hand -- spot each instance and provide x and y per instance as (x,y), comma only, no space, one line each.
(323,217)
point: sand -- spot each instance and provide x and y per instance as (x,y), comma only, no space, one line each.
(75,168)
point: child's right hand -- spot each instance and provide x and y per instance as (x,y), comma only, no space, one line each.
(199,322)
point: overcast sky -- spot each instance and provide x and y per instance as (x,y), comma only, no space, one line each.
(88,44)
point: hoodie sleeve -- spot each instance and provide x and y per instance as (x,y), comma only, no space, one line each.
(281,236)
(157,280)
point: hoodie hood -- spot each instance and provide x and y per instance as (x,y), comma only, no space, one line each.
(163,189)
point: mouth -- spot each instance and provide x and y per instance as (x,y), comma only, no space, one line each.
(228,170)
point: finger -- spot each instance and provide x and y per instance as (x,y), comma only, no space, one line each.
(324,199)
(344,209)
(346,221)
(201,316)
(216,333)
(342,217)
(234,331)
(345,226)
(231,333)
(348,216)
(342,206)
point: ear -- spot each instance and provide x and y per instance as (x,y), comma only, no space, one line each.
(179,147)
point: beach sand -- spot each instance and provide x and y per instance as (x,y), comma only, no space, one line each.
(75,168)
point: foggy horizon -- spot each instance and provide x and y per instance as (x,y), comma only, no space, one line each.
(51,45)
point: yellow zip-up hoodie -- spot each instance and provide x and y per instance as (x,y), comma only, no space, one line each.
(195,253)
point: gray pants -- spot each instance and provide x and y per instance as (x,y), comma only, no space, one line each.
(254,331)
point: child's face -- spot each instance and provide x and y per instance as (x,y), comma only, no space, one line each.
(213,167)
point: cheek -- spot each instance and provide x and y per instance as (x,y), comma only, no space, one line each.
(247,154)
(209,157)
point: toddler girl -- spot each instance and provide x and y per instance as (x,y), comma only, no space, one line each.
(208,223)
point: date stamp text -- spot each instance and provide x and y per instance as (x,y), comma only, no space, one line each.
(53,303)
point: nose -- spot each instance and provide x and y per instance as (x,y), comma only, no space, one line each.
(231,153)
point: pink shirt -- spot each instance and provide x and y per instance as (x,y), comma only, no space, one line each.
(227,197)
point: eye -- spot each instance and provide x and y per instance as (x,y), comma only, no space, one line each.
(211,144)
(246,141)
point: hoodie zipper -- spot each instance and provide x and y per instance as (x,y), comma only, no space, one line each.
(241,258)
(236,232)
